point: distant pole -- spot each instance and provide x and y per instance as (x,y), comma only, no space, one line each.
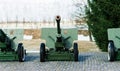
(54,22)
(16,20)
(63,21)
(7,19)
(23,20)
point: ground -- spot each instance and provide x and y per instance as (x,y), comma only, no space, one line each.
(87,46)
(32,45)
(88,61)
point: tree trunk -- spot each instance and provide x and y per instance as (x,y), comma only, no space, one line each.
(90,34)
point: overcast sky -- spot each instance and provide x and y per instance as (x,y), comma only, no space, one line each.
(37,10)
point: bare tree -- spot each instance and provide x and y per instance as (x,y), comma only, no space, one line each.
(80,15)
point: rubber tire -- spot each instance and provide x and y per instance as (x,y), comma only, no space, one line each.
(42,52)
(111,51)
(75,46)
(21,53)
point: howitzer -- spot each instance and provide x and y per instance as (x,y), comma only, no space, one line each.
(113,44)
(59,47)
(60,40)
(5,42)
(8,49)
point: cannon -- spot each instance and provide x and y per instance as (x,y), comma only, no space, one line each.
(9,48)
(60,44)
(113,44)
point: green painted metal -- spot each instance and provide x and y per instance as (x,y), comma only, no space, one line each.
(2,45)
(49,34)
(59,56)
(59,45)
(10,53)
(118,55)
(8,56)
(59,41)
(114,35)
(18,33)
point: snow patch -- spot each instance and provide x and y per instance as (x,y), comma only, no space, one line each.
(27,37)
(85,38)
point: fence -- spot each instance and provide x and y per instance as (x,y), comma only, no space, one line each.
(32,25)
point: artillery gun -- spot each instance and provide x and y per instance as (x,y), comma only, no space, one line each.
(113,44)
(59,47)
(9,49)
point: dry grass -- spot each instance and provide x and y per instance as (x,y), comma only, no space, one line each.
(36,33)
(83,32)
(32,45)
(87,46)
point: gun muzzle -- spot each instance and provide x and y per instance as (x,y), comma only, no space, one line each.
(58,18)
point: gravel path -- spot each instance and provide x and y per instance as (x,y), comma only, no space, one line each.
(88,61)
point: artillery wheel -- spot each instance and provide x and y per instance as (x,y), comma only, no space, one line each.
(42,52)
(111,51)
(75,46)
(21,52)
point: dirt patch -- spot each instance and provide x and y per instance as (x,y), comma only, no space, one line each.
(36,33)
(87,46)
(83,32)
(32,45)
